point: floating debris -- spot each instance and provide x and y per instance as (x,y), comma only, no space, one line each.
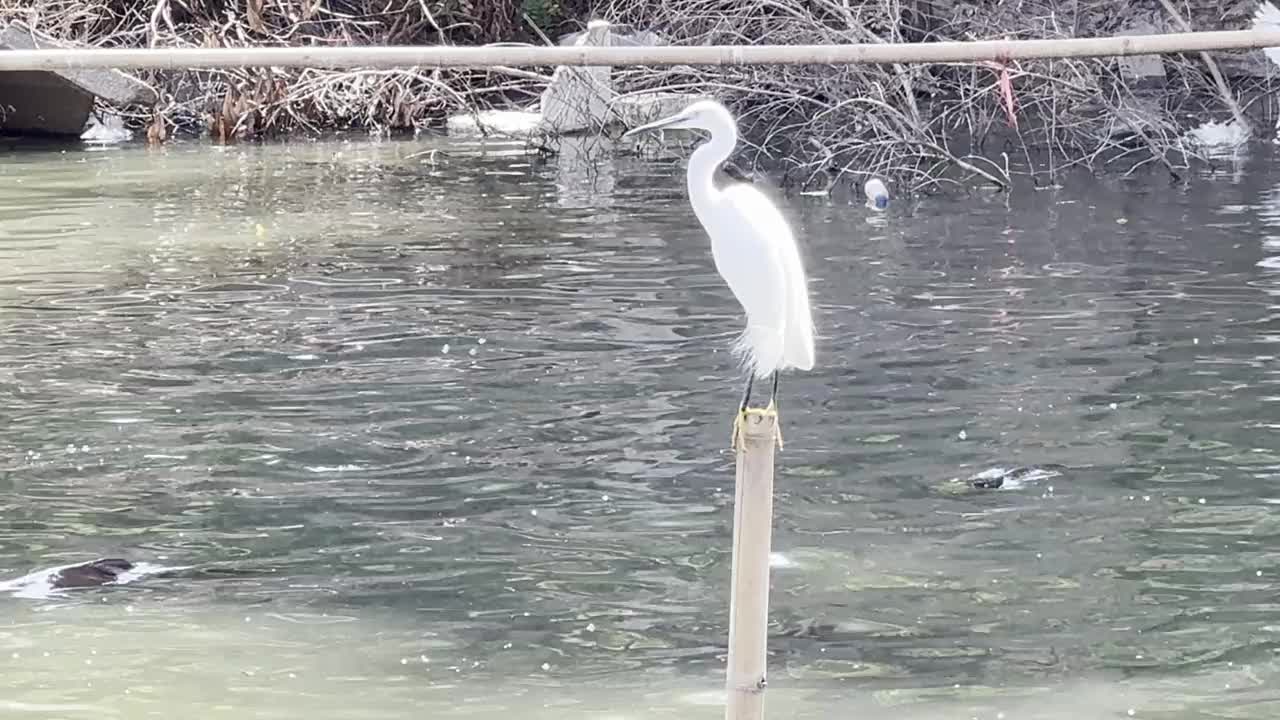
(1215,136)
(105,130)
(1001,478)
(1011,478)
(877,194)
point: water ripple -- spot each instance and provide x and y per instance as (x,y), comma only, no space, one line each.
(452,395)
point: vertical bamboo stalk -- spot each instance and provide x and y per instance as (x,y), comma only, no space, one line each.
(749,600)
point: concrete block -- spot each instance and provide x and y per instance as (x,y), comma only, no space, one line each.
(1142,67)
(58,103)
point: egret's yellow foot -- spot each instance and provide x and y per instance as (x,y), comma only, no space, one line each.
(736,439)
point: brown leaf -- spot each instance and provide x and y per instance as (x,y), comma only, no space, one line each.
(254,15)
(222,127)
(156,132)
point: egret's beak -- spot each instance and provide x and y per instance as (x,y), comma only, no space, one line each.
(667,122)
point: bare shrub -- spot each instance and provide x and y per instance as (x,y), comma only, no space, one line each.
(242,103)
(926,125)
(921,125)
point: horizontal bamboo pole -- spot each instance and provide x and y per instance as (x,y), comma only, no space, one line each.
(489,56)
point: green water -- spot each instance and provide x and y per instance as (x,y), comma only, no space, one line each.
(456,422)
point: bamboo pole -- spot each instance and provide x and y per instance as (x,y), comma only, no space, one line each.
(749,594)
(489,56)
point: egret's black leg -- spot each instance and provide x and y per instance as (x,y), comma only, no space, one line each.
(736,438)
(746,394)
(773,405)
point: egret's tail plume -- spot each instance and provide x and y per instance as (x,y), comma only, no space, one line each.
(759,350)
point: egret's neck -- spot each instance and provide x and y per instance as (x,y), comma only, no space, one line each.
(703,164)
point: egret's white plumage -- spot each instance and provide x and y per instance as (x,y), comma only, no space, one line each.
(757,256)
(752,245)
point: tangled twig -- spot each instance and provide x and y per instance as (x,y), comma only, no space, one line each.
(922,125)
(242,103)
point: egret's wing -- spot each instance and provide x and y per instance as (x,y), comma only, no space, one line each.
(750,265)
(756,254)
(798,341)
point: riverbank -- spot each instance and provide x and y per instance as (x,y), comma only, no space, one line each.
(814,126)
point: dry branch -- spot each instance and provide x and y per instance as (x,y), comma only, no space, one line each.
(238,103)
(925,124)
(821,124)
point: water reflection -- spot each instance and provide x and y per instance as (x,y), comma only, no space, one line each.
(454,417)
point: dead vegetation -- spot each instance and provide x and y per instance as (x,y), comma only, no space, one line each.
(821,125)
(941,123)
(239,104)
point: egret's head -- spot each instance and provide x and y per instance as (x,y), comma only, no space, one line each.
(706,115)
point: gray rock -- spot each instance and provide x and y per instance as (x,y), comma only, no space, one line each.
(577,99)
(1143,67)
(58,102)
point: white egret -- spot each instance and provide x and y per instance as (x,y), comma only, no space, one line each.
(754,252)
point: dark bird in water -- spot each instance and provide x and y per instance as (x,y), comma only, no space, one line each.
(90,574)
(102,572)
(51,581)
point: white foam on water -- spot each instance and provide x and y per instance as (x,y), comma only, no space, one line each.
(778,560)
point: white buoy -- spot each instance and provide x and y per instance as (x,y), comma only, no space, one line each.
(877,194)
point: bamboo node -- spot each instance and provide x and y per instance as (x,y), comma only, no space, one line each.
(754,688)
